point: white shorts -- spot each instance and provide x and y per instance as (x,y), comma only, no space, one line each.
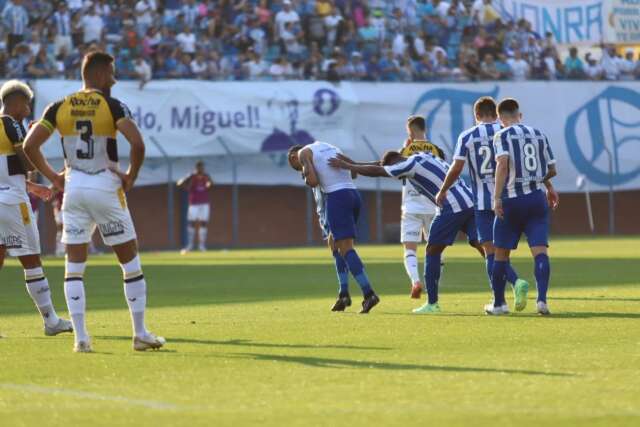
(198,213)
(84,208)
(413,227)
(19,230)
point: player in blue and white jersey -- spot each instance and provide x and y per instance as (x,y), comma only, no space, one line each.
(524,165)
(475,148)
(427,173)
(342,211)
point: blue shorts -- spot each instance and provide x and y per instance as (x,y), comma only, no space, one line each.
(445,227)
(343,210)
(528,214)
(484,224)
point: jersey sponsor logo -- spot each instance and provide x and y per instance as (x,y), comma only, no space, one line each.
(73,231)
(84,102)
(12,242)
(112,228)
(599,120)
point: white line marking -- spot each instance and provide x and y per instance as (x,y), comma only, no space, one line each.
(32,388)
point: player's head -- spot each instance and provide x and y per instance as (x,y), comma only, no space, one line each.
(200,167)
(416,127)
(391,158)
(98,70)
(509,111)
(292,156)
(485,109)
(16,99)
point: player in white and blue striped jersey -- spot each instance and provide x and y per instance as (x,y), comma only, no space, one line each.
(524,165)
(475,148)
(427,173)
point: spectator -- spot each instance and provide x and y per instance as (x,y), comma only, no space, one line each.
(627,66)
(187,41)
(323,8)
(16,19)
(357,68)
(61,21)
(144,11)
(573,66)
(488,68)
(40,66)
(199,67)
(519,67)
(592,69)
(281,68)
(190,13)
(471,67)
(636,72)
(332,23)
(608,63)
(255,66)
(143,71)
(286,15)
(92,26)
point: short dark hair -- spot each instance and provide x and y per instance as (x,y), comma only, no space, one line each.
(508,106)
(94,60)
(389,157)
(485,106)
(294,149)
(417,122)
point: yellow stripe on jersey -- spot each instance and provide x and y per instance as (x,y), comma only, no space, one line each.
(418,146)
(6,145)
(24,211)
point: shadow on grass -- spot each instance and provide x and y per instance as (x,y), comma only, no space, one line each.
(249,343)
(608,299)
(322,362)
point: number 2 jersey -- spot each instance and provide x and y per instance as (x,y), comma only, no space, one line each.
(86,121)
(475,147)
(13,186)
(529,158)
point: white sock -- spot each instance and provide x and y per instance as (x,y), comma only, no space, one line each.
(38,289)
(74,294)
(135,292)
(411,265)
(202,236)
(191,234)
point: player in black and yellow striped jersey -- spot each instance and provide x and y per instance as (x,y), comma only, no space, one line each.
(18,229)
(94,187)
(417,211)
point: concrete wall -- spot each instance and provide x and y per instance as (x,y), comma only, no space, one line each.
(276,216)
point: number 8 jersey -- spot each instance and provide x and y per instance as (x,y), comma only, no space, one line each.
(86,121)
(529,158)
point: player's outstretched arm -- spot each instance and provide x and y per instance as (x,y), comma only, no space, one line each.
(37,136)
(360,169)
(452,176)
(130,131)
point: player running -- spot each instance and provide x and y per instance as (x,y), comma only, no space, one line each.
(94,189)
(524,162)
(475,146)
(417,210)
(426,173)
(343,208)
(198,183)
(18,227)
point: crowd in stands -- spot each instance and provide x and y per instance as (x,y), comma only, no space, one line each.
(368,40)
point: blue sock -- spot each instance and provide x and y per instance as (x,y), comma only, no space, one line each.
(357,270)
(489,261)
(343,272)
(499,282)
(512,276)
(432,277)
(542,270)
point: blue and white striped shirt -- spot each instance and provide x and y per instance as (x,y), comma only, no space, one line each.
(16,18)
(529,158)
(62,22)
(427,174)
(475,145)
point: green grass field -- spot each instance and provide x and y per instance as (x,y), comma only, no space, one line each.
(251,340)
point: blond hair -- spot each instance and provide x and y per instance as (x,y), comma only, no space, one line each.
(15,86)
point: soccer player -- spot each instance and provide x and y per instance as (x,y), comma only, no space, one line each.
(343,209)
(198,184)
(475,146)
(524,162)
(426,173)
(18,228)
(417,210)
(94,189)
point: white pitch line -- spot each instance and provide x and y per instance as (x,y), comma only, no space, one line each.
(32,388)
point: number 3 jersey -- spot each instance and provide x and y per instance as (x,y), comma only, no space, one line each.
(12,174)
(86,121)
(475,146)
(529,158)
